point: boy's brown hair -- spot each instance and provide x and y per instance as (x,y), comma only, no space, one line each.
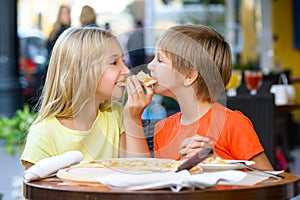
(199,47)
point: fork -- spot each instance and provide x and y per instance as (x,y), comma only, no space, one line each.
(261,171)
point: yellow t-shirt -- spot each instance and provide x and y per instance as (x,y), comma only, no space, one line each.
(50,138)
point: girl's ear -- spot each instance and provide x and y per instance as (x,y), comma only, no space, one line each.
(190,77)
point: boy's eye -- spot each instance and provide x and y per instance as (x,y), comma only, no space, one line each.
(158,59)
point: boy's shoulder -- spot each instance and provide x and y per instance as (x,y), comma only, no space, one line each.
(236,117)
(171,120)
(173,117)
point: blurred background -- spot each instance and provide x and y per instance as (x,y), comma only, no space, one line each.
(263,34)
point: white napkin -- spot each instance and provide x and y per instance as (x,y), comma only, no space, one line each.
(252,178)
(48,166)
(173,180)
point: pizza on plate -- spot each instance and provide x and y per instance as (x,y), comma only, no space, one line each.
(138,165)
(216,160)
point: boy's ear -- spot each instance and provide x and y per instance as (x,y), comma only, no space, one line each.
(190,77)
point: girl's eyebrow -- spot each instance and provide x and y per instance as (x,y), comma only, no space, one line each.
(117,56)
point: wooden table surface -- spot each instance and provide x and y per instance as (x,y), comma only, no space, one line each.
(287,107)
(269,189)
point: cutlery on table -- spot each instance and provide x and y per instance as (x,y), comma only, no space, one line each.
(213,134)
(195,159)
(261,171)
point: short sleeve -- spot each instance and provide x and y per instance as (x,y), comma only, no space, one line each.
(239,140)
(38,145)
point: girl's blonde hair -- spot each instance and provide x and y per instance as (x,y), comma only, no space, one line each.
(199,47)
(75,68)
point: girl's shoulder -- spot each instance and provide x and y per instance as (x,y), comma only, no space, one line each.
(48,122)
(40,129)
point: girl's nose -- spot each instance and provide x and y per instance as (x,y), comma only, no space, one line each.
(125,69)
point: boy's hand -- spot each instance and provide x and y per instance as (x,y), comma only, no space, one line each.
(192,145)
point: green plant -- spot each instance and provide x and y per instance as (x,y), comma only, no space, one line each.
(13,131)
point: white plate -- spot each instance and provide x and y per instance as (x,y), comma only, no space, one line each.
(217,167)
(82,175)
(85,175)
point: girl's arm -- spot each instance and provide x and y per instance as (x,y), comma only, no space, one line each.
(27,165)
(122,146)
(138,99)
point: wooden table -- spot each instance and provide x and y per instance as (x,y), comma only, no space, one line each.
(287,108)
(269,189)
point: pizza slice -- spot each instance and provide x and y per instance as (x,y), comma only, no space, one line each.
(146,78)
(143,77)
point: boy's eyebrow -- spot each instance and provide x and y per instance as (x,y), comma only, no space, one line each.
(160,55)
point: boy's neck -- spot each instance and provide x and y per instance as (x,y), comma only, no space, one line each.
(193,111)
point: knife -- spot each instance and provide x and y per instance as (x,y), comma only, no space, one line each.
(213,133)
(195,159)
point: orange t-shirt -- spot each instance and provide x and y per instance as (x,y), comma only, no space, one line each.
(233,132)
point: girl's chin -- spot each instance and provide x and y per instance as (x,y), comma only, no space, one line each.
(118,96)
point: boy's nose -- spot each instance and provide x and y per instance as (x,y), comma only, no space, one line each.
(150,65)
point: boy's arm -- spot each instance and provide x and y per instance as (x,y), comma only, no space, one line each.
(262,162)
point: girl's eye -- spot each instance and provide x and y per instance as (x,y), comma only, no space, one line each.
(117,61)
(114,63)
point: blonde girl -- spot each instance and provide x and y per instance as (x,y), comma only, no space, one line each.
(78,107)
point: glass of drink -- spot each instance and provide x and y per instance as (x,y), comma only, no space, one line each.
(234,82)
(253,79)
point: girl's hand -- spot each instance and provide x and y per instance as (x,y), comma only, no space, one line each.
(135,142)
(138,99)
(192,145)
